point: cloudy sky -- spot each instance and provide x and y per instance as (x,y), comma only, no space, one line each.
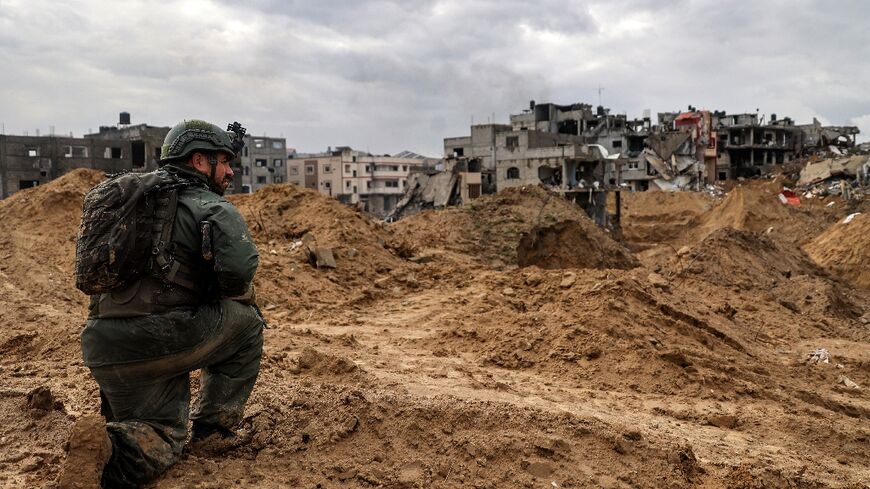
(386,76)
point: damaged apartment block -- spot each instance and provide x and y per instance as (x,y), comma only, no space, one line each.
(586,154)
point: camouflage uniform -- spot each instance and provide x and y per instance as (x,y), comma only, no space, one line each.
(141,343)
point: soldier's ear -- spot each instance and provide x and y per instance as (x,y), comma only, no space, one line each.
(199,161)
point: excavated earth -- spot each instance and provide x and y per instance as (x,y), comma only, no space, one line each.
(506,343)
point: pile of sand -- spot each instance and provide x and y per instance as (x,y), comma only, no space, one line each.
(569,244)
(660,217)
(491,228)
(735,257)
(844,249)
(38,227)
(755,206)
(364,249)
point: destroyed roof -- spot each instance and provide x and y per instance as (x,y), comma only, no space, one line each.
(825,169)
(411,154)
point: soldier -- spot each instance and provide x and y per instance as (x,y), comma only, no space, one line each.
(192,310)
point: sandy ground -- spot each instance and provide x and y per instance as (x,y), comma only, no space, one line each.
(429,358)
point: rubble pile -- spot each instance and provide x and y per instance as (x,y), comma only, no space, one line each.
(428,356)
(846,176)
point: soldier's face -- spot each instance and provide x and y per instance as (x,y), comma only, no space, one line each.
(223,175)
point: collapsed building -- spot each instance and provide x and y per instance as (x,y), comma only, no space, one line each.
(569,149)
(585,153)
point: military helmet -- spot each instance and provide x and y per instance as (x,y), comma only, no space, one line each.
(198,135)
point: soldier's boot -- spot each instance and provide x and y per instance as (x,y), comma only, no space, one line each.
(89,451)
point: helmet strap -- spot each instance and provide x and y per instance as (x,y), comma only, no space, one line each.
(213,162)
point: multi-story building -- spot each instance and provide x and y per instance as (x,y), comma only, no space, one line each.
(262,162)
(28,161)
(543,127)
(376,182)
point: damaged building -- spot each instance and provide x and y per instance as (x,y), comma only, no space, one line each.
(376,183)
(28,161)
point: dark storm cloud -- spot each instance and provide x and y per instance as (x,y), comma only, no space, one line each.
(385,76)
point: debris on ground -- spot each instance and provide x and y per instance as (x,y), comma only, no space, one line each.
(818,356)
(843,380)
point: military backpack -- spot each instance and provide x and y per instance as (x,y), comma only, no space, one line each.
(125,231)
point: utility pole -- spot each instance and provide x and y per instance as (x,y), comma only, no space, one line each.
(600,89)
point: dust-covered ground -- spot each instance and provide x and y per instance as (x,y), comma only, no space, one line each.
(431,358)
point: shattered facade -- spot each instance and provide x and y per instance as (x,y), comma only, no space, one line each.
(684,150)
(375,182)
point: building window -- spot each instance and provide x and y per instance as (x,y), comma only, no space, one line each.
(347,168)
(512,141)
(458,151)
(259,143)
(278,162)
(309,169)
(513,173)
(617,144)
(633,165)
(369,184)
(259,162)
(32,151)
(76,152)
(277,179)
(367,168)
(391,184)
(354,189)
(277,145)
(246,154)
(327,184)
(113,153)
(347,184)
(404,167)
(327,168)
(294,170)
(246,170)
(246,189)
(261,179)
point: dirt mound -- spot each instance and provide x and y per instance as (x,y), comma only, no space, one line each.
(660,217)
(844,249)
(755,206)
(38,227)
(490,228)
(364,249)
(735,257)
(459,369)
(567,244)
(280,215)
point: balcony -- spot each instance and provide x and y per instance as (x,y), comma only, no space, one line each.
(389,173)
(385,190)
